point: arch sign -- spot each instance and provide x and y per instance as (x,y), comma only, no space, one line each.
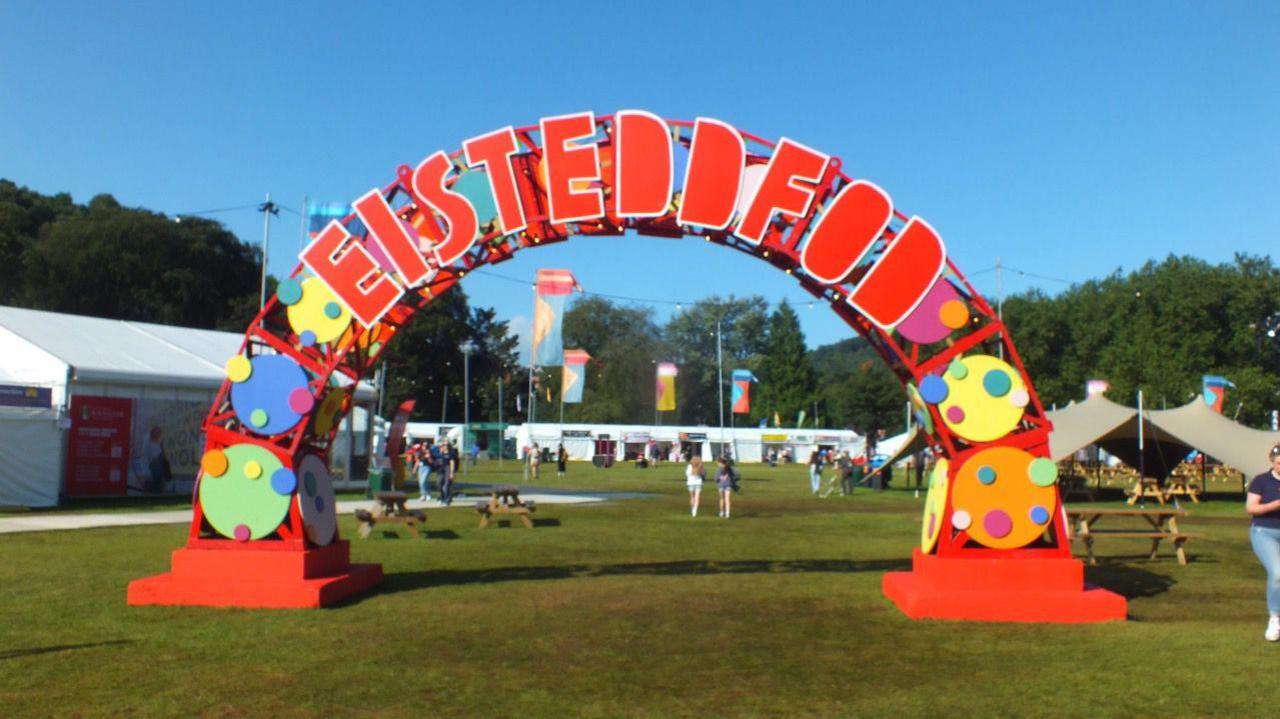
(993,540)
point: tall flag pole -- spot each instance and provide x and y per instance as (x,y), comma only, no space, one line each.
(740,401)
(553,289)
(665,387)
(573,377)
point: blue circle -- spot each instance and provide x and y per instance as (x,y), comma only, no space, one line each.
(309,482)
(289,292)
(284,481)
(268,388)
(933,389)
(1039,515)
(997,383)
(986,475)
(319,504)
(307,338)
(332,310)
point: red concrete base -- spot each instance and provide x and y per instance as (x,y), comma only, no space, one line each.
(1000,590)
(237,575)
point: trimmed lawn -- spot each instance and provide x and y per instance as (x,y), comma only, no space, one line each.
(632,609)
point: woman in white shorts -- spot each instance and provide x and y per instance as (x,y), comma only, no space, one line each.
(693,480)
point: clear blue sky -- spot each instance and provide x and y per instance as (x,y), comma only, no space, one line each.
(1065,139)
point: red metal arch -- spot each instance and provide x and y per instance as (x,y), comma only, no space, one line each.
(335,367)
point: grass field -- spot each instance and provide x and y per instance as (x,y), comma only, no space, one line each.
(632,609)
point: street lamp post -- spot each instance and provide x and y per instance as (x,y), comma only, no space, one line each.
(720,380)
(467,348)
(267,209)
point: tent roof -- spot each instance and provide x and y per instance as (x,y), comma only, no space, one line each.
(1169,435)
(104,350)
(1233,444)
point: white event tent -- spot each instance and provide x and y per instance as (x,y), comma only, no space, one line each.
(170,375)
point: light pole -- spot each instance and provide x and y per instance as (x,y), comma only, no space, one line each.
(267,209)
(720,379)
(467,348)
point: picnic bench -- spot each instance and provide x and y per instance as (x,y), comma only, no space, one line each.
(1162,524)
(505,500)
(390,509)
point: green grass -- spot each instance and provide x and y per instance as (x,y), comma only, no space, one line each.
(631,609)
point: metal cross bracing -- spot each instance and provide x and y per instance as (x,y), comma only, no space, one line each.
(355,355)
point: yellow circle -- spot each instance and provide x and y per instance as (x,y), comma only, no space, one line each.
(994,487)
(308,312)
(953,314)
(935,503)
(252,469)
(970,410)
(214,463)
(238,368)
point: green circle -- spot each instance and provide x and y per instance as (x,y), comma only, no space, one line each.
(332,310)
(957,369)
(1043,472)
(258,418)
(235,499)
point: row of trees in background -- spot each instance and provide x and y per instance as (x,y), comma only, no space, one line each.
(1158,328)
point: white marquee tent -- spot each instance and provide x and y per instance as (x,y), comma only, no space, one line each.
(171,374)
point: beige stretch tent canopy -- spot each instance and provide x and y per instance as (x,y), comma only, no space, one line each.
(1168,435)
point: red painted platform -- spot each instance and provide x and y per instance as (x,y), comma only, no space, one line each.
(1000,590)
(229,574)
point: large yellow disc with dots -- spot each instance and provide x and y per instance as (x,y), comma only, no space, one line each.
(1003,497)
(935,503)
(984,398)
(318,312)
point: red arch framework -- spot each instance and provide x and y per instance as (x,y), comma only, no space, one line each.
(954,577)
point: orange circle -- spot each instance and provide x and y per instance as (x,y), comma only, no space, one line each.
(214,463)
(997,481)
(953,314)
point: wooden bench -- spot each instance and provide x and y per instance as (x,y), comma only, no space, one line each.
(1163,525)
(414,519)
(505,500)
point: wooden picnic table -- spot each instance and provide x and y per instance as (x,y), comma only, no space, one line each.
(1162,524)
(390,509)
(505,500)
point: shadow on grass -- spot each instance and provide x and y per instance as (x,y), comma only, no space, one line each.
(408,581)
(1126,579)
(442,534)
(16,653)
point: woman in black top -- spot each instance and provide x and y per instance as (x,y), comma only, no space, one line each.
(1262,502)
(561,458)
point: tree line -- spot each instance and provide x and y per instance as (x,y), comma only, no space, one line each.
(1158,328)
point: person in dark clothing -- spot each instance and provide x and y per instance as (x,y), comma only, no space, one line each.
(451,461)
(1262,502)
(562,458)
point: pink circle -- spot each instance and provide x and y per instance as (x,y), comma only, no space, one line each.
(242,533)
(933,523)
(997,523)
(955,414)
(301,401)
(1019,398)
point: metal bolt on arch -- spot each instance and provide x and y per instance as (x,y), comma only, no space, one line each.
(994,543)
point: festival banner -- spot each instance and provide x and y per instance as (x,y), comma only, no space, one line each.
(1215,391)
(742,379)
(320,214)
(1095,387)
(665,388)
(173,427)
(553,290)
(574,377)
(98,446)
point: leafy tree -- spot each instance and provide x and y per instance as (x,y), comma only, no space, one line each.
(856,389)
(625,346)
(691,336)
(788,383)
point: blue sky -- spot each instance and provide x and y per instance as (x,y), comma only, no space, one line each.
(1065,139)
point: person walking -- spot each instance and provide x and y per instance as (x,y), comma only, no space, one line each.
(693,476)
(724,483)
(535,458)
(844,470)
(425,466)
(562,458)
(450,458)
(815,470)
(1262,502)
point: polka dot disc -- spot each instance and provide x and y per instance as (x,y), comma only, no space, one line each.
(316,500)
(261,402)
(998,495)
(934,504)
(319,312)
(240,506)
(978,403)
